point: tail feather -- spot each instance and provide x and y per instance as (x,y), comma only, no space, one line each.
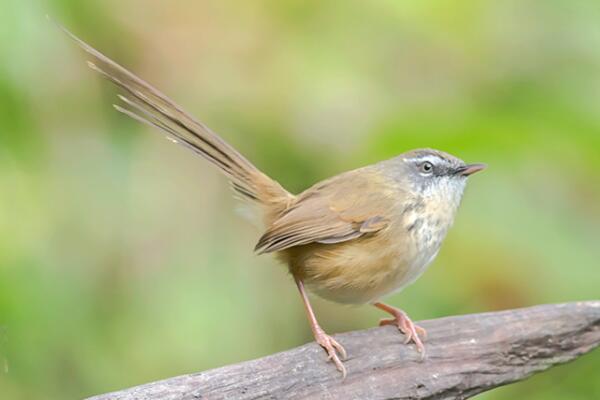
(148,105)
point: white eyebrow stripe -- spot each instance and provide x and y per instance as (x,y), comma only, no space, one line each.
(428,157)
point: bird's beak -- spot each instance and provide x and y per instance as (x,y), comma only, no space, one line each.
(470,169)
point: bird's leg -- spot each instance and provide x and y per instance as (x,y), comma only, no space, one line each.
(402,321)
(331,346)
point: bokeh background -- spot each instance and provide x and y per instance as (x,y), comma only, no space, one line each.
(122,259)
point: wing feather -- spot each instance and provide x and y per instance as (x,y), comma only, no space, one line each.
(343,208)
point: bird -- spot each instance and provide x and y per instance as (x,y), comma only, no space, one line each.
(354,238)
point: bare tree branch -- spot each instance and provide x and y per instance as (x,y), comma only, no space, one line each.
(466,355)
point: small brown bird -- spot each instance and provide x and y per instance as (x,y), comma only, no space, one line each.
(354,238)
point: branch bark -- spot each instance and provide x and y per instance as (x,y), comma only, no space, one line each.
(466,355)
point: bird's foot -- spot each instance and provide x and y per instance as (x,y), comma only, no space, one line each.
(413,332)
(333,348)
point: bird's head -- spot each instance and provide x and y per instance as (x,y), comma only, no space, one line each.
(436,176)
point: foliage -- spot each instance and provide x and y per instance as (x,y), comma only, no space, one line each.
(121,260)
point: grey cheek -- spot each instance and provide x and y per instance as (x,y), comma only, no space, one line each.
(425,184)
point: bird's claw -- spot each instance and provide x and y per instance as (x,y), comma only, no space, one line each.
(332,347)
(413,332)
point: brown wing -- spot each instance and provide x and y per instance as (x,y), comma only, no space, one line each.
(342,208)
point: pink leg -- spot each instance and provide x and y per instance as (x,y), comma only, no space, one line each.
(331,346)
(406,326)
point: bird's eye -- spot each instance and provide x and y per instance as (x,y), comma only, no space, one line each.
(426,168)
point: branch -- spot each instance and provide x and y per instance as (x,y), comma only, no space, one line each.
(466,355)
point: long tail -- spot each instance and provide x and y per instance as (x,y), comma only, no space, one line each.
(148,105)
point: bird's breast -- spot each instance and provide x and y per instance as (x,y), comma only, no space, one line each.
(366,269)
(426,225)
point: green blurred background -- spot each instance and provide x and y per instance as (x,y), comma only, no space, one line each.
(122,260)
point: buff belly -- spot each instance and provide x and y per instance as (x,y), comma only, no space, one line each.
(358,271)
